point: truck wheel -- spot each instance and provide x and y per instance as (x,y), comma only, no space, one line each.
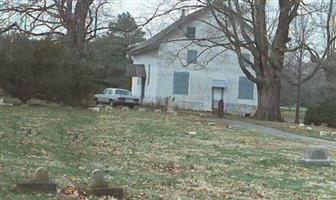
(111,102)
(96,101)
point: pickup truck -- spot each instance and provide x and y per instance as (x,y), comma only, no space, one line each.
(116,96)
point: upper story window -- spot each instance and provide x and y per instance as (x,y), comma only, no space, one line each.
(247,57)
(181,83)
(192,56)
(191,32)
(246,88)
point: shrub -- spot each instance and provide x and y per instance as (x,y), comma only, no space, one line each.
(322,113)
(43,70)
(12,100)
(36,102)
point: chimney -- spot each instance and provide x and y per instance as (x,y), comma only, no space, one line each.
(183,13)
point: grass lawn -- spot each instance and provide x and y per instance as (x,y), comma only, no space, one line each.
(150,154)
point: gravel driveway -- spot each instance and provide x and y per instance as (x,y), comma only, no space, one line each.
(272,131)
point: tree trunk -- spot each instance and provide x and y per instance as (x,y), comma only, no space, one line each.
(330,71)
(269,101)
(76,27)
(298,104)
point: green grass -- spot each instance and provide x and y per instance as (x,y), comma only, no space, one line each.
(150,154)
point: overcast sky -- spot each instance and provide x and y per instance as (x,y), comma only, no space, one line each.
(135,7)
(142,8)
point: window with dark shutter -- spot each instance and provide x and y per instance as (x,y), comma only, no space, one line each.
(247,57)
(191,32)
(181,83)
(246,88)
(192,56)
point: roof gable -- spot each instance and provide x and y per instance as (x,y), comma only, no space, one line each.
(154,42)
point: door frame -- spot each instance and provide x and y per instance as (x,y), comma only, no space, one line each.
(212,96)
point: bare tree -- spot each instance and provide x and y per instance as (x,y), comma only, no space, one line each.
(74,20)
(298,68)
(246,28)
(322,52)
(328,59)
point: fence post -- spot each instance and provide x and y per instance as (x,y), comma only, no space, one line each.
(221,108)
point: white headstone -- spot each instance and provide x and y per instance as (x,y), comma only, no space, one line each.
(316,155)
(97,179)
(41,175)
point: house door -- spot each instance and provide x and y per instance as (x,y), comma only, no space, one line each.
(217,94)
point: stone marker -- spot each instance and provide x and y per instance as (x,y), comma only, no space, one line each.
(39,183)
(95,109)
(211,123)
(316,155)
(158,110)
(171,105)
(142,110)
(99,186)
(125,109)
(108,108)
(191,133)
(98,180)
(221,108)
(324,133)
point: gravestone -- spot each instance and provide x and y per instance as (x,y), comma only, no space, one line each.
(125,109)
(142,110)
(316,156)
(221,108)
(99,186)
(171,105)
(39,183)
(108,108)
(98,180)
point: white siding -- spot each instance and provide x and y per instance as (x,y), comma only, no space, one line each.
(165,62)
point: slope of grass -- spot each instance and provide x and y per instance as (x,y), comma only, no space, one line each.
(151,154)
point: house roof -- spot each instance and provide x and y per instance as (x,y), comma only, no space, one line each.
(154,42)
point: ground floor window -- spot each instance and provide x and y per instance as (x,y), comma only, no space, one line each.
(246,88)
(181,83)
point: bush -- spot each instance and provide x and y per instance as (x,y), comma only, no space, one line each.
(11,100)
(36,102)
(322,113)
(43,70)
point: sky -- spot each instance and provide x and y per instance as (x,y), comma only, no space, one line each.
(135,7)
(140,9)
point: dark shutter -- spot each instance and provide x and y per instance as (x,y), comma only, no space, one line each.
(191,32)
(181,83)
(192,56)
(246,88)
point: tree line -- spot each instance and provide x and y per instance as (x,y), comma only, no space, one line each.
(59,62)
(282,41)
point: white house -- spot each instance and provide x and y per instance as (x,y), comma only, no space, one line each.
(172,63)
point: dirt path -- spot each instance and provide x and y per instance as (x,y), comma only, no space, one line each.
(272,131)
